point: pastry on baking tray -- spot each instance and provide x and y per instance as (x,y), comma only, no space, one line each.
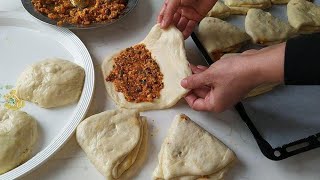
(18,136)
(190,152)
(281,1)
(266,29)
(219,37)
(148,75)
(304,16)
(242,7)
(219,10)
(115,141)
(51,83)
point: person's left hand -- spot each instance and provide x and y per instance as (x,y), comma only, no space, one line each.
(184,14)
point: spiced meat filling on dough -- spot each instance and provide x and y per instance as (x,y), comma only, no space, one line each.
(147,75)
(137,75)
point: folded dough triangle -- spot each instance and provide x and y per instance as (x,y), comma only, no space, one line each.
(266,29)
(219,10)
(219,37)
(304,16)
(281,1)
(242,7)
(167,49)
(115,141)
(190,152)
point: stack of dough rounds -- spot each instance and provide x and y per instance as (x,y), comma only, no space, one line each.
(219,37)
(263,88)
(304,16)
(115,142)
(219,10)
(18,136)
(266,29)
(189,152)
(242,7)
(51,83)
(167,49)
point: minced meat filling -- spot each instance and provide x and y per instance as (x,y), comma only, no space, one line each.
(137,75)
(64,12)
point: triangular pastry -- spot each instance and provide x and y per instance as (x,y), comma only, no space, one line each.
(304,16)
(266,29)
(242,7)
(190,152)
(219,37)
(115,141)
(219,10)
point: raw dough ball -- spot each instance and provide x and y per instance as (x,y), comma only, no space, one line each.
(18,135)
(51,83)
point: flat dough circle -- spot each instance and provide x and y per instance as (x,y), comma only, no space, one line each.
(18,136)
(51,83)
(167,49)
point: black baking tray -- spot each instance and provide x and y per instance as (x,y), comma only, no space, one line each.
(281,151)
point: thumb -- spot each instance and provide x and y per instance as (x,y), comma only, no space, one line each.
(196,81)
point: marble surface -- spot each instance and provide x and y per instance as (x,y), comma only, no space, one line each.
(71,163)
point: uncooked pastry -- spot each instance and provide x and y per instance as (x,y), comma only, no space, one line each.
(190,152)
(115,141)
(281,1)
(219,10)
(304,16)
(51,83)
(167,49)
(18,136)
(266,29)
(219,37)
(242,7)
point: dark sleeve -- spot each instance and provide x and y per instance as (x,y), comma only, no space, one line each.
(302,60)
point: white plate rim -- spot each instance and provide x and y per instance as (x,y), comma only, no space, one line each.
(79,112)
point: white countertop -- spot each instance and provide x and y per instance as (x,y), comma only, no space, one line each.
(71,163)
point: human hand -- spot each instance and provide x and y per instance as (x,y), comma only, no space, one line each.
(230,79)
(184,14)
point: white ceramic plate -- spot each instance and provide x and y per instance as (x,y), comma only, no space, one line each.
(24,41)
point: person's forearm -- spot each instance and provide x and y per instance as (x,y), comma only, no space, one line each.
(268,64)
(295,62)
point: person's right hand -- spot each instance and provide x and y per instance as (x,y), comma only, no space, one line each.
(184,14)
(230,79)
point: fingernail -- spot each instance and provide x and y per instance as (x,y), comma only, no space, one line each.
(201,67)
(162,23)
(184,82)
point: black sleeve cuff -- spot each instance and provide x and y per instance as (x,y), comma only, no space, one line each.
(302,60)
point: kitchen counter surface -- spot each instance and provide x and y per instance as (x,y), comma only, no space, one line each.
(71,163)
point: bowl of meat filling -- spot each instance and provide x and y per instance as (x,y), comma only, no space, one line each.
(65,13)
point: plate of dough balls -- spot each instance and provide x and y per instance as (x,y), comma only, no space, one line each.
(46,86)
